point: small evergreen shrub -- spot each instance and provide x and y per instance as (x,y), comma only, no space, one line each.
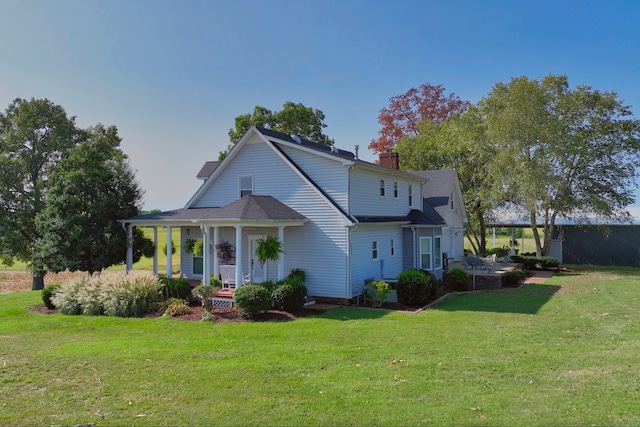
(270,285)
(291,295)
(298,272)
(179,287)
(176,307)
(47,293)
(458,280)
(204,294)
(415,288)
(378,292)
(252,299)
(513,278)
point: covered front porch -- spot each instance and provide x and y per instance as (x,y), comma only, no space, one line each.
(241,224)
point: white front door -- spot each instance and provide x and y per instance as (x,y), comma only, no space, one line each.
(256,269)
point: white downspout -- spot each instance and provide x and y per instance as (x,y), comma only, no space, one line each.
(239,256)
(169,250)
(206,255)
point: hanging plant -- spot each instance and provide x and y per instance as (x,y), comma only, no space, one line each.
(268,249)
(225,251)
(189,244)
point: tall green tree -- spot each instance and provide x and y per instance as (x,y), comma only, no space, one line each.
(91,189)
(458,143)
(293,119)
(562,151)
(34,135)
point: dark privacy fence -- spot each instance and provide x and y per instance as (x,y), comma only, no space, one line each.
(600,245)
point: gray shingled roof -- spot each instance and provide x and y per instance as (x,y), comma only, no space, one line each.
(256,208)
(207,169)
(174,215)
(415,217)
(306,143)
(437,188)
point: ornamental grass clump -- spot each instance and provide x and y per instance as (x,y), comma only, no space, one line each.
(124,295)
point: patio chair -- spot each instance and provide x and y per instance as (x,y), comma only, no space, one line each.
(228,276)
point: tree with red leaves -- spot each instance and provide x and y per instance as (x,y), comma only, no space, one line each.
(405,113)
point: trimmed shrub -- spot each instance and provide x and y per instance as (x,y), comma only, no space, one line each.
(270,285)
(176,307)
(204,294)
(252,299)
(415,287)
(458,280)
(540,263)
(298,272)
(378,292)
(512,278)
(500,252)
(47,293)
(179,287)
(291,295)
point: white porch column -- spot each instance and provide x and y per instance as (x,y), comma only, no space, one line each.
(129,247)
(169,250)
(206,255)
(157,250)
(281,257)
(216,261)
(239,263)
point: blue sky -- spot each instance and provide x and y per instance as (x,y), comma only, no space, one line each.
(173,75)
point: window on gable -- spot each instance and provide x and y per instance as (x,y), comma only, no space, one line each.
(395,189)
(382,188)
(410,195)
(393,247)
(246,186)
(374,250)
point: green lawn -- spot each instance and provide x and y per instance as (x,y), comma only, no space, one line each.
(564,353)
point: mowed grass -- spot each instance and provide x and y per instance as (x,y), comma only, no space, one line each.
(143,264)
(563,353)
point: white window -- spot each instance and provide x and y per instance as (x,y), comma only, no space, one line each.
(393,247)
(395,189)
(246,186)
(410,195)
(374,250)
(437,252)
(425,253)
(382,188)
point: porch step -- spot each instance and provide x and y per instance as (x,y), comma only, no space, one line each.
(310,301)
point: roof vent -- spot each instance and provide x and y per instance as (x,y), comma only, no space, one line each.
(296,138)
(334,149)
(357,147)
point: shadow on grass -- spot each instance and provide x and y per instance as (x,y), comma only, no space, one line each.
(527,299)
(353,313)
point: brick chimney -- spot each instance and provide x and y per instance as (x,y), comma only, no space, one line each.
(389,159)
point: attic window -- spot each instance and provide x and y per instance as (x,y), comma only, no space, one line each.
(410,195)
(246,186)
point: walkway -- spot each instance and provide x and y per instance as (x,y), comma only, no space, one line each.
(539,277)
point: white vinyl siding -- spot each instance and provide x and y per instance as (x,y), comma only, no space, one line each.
(363,267)
(365,194)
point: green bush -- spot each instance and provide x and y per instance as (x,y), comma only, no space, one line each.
(176,307)
(499,252)
(252,299)
(204,294)
(458,280)
(378,292)
(512,278)
(298,272)
(270,285)
(179,287)
(415,287)
(47,293)
(539,263)
(291,295)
